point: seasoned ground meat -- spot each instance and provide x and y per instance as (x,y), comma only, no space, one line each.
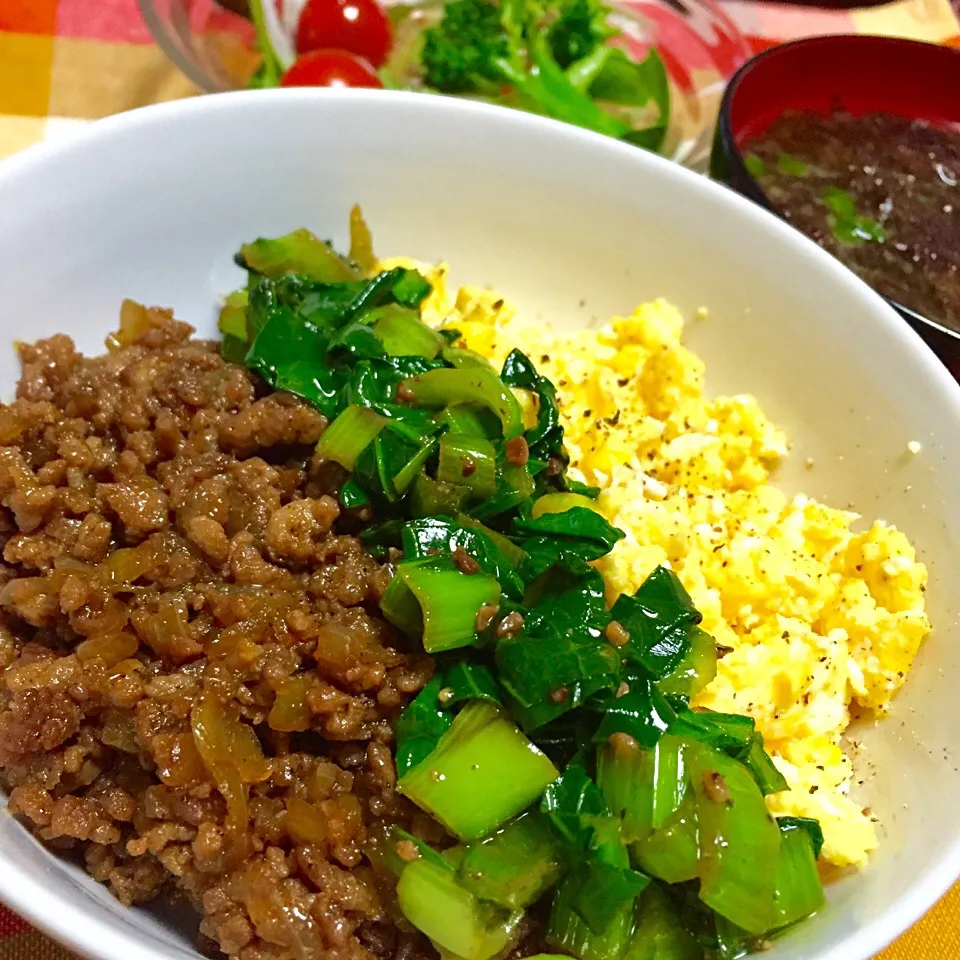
(197,689)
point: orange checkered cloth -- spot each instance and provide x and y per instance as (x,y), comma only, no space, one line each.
(66,62)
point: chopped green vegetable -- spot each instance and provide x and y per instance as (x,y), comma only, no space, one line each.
(507,547)
(496,556)
(736,736)
(758,762)
(573,802)
(461,358)
(496,579)
(847,225)
(651,789)
(642,712)
(482,773)
(575,486)
(350,434)
(813,828)
(438,388)
(736,834)
(569,932)
(625,777)
(697,668)
(469,420)
(545,439)
(659,933)
(659,619)
(421,725)
(449,601)
(560,503)
(411,288)
(233,315)
(731,733)
(233,349)
(288,354)
(454,919)
(469,461)
(515,866)
(792,166)
(732,941)
(584,531)
(298,252)
(469,681)
(392,859)
(353,496)
(673,852)
(799,891)
(605,882)
(433,498)
(403,334)
(669,779)
(755,166)
(602,881)
(515,487)
(534,669)
(569,599)
(387,467)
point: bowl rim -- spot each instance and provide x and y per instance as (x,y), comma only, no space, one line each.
(90,933)
(744,182)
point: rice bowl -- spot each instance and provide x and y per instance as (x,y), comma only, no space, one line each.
(860,359)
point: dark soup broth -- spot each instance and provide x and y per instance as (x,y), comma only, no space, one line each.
(877,191)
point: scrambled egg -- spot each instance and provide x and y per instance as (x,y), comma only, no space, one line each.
(815,617)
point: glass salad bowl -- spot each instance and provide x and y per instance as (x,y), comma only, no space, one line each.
(213,43)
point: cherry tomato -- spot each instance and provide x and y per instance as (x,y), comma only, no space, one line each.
(359,26)
(330,68)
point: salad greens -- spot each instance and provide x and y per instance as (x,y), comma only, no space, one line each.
(547,57)
(558,58)
(554,57)
(555,742)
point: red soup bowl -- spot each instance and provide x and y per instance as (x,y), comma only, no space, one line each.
(853,74)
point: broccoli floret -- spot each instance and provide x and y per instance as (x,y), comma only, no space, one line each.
(580,28)
(460,51)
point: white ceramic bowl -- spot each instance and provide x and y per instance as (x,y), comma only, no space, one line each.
(152,205)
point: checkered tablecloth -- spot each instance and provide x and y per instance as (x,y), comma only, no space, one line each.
(66,62)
